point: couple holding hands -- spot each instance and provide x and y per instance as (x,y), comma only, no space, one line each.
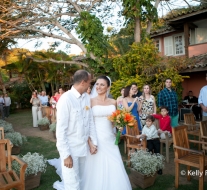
(85,138)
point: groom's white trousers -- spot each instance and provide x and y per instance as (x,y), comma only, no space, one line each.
(72,176)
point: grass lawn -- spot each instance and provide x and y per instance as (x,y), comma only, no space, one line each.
(22,121)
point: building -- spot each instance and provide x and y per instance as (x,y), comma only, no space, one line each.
(186,35)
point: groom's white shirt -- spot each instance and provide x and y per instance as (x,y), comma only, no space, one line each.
(74,124)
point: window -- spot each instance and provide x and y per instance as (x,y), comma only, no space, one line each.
(201,35)
(174,45)
(157,44)
(179,45)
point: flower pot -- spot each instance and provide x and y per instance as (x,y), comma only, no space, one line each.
(15,150)
(43,127)
(32,181)
(54,134)
(141,180)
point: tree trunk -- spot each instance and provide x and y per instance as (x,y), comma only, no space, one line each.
(137,30)
(149,24)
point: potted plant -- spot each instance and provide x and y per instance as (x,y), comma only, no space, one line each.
(43,123)
(53,129)
(144,166)
(7,126)
(37,164)
(17,140)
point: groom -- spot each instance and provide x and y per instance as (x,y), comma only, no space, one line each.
(74,127)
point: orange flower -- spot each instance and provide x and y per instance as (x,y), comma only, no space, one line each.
(128,117)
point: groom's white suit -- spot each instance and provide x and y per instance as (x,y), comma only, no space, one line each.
(74,126)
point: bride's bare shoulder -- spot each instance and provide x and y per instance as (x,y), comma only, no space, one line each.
(112,101)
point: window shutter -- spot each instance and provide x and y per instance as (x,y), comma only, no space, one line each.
(168,45)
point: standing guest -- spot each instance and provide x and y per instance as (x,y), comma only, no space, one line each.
(120,99)
(89,90)
(202,100)
(36,109)
(131,104)
(195,108)
(2,102)
(53,102)
(137,93)
(168,97)
(164,122)
(7,100)
(61,91)
(147,104)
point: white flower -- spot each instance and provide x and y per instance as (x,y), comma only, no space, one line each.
(36,163)
(146,162)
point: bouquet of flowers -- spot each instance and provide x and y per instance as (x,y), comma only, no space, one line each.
(121,118)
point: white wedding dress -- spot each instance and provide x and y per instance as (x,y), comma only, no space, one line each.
(105,169)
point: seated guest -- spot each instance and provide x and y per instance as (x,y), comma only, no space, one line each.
(164,121)
(196,108)
(151,133)
(44,99)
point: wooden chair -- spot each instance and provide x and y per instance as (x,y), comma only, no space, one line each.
(186,156)
(8,177)
(132,141)
(203,131)
(193,126)
(167,141)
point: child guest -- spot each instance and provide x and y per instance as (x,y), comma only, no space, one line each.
(164,121)
(150,131)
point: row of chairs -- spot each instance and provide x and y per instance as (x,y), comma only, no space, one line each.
(8,178)
(188,156)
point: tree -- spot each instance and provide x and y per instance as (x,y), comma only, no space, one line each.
(57,19)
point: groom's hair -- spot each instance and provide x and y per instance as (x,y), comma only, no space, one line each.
(79,76)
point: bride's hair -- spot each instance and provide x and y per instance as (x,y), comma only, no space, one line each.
(107,79)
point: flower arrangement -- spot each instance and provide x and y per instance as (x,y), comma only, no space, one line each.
(43,121)
(16,138)
(52,127)
(147,163)
(36,163)
(7,126)
(121,118)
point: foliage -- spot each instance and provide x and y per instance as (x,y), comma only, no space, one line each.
(16,138)
(20,94)
(140,59)
(147,163)
(8,128)
(44,121)
(90,31)
(52,127)
(36,163)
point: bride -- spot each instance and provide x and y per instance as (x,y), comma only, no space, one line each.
(105,169)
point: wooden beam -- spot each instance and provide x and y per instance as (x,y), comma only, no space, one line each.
(186,38)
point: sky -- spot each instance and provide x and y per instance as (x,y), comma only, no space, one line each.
(162,10)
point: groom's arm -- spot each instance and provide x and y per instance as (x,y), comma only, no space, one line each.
(63,115)
(92,129)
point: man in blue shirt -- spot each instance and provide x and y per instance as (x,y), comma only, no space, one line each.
(202,100)
(168,97)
